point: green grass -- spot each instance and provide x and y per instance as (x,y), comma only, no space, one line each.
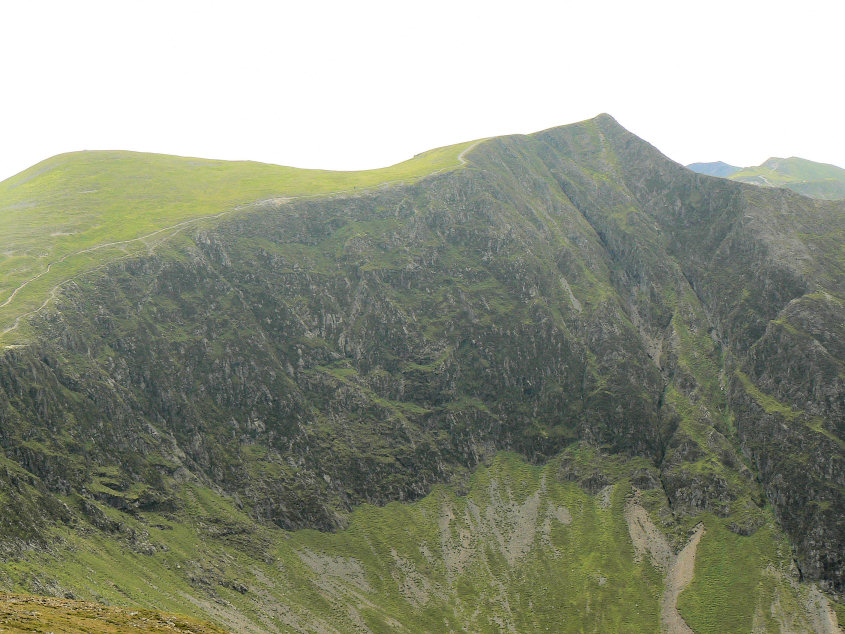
(505,556)
(769,404)
(794,168)
(519,548)
(727,566)
(494,562)
(67,212)
(740,581)
(839,608)
(818,180)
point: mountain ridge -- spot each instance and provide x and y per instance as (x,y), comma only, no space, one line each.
(104,205)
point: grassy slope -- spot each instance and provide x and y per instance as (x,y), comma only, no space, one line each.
(802,169)
(523,548)
(755,568)
(67,212)
(26,613)
(818,180)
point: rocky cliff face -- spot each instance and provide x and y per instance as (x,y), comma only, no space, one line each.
(573,285)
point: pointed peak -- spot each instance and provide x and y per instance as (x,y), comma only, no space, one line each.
(605,119)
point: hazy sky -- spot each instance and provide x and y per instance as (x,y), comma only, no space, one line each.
(349,85)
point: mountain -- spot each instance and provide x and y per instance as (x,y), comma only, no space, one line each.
(546,381)
(816,180)
(717,168)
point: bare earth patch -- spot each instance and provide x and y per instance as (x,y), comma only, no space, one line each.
(678,569)
(680,574)
(821,612)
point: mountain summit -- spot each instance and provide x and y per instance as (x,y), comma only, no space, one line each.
(537,381)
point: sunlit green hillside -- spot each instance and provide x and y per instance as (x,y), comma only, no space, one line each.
(74,212)
(817,180)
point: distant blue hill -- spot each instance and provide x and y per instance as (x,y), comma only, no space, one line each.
(716,168)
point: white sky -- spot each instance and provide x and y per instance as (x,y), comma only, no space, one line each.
(348,85)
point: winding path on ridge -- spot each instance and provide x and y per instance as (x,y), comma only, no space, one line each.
(175,228)
(51,295)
